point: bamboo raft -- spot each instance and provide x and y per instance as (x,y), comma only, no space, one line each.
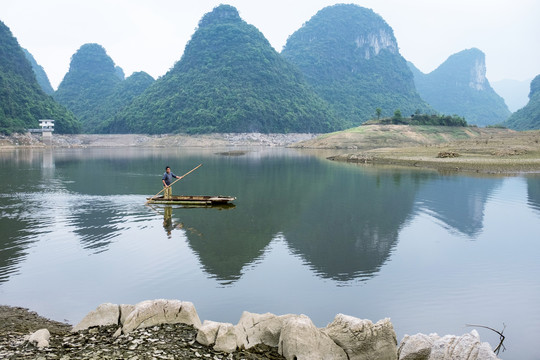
(192,200)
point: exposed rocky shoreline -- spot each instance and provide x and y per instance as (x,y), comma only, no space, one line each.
(495,151)
(171,329)
(492,151)
(31,140)
(165,341)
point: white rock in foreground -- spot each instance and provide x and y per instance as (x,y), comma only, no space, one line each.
(105,314)
(208,332)
(226,338)
(125,310)
(155,312)
(433,347)
(296,337)
(256,329)
(40,338)
(416,347)
(221,336)
(464,347)
(363,340)
(301,340)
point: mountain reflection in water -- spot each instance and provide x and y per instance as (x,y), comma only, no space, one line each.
(342,222)
(306,235)
(533,192)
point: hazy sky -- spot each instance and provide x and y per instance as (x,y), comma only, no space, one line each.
(151,35)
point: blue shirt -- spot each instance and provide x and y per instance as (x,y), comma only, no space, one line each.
(168,177)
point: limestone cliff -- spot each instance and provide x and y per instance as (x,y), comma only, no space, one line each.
(459,86)
(351,58)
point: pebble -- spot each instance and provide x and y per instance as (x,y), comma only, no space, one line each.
(159,342)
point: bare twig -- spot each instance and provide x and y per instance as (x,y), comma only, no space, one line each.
(500,346)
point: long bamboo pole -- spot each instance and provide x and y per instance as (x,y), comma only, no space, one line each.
(186,174)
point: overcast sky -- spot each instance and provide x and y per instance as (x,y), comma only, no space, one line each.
(151,35)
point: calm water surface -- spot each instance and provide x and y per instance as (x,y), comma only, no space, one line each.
(432,252)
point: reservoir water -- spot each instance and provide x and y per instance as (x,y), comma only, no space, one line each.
(433,252)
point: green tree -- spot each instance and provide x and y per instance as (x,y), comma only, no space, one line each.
(528,118)
(92,78)
(336,53)
(229,79)
(378,111)
(22,101)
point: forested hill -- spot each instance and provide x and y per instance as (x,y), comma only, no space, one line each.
(350,56)
(459,86)
(22,102)
(528,118)
(41,75)
(229,79)
(122,96)
(90,81)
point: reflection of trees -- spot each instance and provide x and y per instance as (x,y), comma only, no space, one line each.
(229,239)
(17,224)
(224,241)
(459,201)
(96,222)
(341,220)
(268,193)
(14,240)
(347,229)
(533,192)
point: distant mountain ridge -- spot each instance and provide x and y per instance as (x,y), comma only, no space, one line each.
(90,80)
(94,87)
(122,96)
(528,118)
(351,58)
(340,69)
(459,86)
(22,101)
(514,92)
(41,75)
(229,79)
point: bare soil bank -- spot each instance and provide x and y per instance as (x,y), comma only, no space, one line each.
(126,140)
(484,150)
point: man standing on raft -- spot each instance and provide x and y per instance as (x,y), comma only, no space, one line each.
(167,180)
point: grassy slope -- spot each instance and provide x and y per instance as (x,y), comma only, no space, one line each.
(479,149)
(377,136)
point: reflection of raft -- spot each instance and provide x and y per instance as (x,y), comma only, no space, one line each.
(196,200)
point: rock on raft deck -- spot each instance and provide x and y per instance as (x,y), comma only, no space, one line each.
(192,200)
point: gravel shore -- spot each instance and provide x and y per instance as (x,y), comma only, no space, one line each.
(158,342)
(128,140)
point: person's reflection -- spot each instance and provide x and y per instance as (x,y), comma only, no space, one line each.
(168,224)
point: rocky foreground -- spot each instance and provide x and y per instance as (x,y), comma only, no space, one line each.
(164,341)
(171,329)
